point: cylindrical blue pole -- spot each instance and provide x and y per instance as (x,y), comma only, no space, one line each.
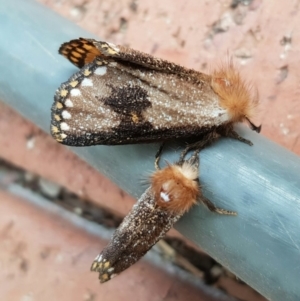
(261,245)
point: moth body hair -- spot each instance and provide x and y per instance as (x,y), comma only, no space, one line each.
(239,97)
(180,184)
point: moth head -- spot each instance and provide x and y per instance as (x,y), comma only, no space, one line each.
(176,187)
(237,96)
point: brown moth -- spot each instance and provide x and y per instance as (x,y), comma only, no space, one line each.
(173,191)
(123,96)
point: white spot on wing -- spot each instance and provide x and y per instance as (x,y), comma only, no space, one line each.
(87,82)
(75,92)
(68,103)
(66,115)
(100,70)
(64,126)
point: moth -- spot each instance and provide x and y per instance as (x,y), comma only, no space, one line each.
(173,191)
(124,96)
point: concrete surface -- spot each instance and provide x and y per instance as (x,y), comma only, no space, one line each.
(44,257)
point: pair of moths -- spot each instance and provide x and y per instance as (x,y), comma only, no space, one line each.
(123,96)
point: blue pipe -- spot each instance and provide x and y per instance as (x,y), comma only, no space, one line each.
(261,245)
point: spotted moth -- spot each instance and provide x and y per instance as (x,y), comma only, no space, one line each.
(173,191)
(123,96)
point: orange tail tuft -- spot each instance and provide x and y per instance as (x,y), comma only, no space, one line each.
(237,96)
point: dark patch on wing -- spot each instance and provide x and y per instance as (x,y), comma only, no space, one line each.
(127,100)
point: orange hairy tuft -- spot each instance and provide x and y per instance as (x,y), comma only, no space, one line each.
(237,96)
(176,188)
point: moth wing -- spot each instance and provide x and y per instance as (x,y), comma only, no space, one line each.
(112,102)
(139,231)
(136,57)
(83,51)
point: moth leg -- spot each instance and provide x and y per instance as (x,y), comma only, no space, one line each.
(194,159)
(213,208)
(206,140)
(186,150)
(158,155)
(228,131)
(233,134)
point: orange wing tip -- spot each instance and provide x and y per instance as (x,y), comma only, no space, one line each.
(239,97)
(176,188)
(80,51)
